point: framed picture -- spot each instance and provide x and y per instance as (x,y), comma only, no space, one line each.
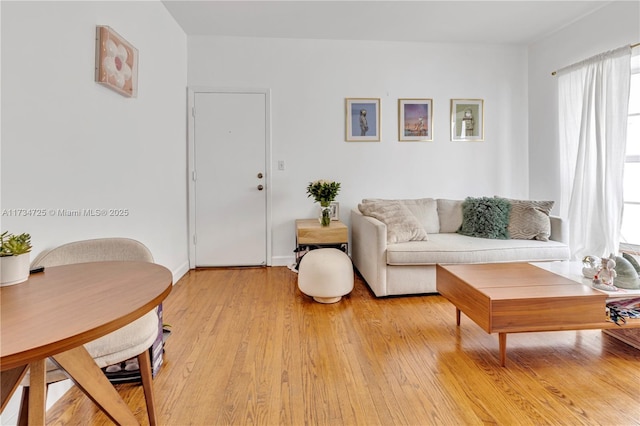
(467,120)
(363,119)
(335,210)
(415,118)
(116,62)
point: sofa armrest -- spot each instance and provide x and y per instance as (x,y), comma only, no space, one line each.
(559,229)
(368,250)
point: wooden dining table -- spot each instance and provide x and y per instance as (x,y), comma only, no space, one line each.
(55,312)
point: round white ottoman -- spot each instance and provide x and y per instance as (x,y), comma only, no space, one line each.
(326,275)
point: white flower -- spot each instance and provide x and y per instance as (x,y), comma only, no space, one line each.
(115,63)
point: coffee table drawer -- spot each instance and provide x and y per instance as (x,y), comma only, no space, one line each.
(543,314)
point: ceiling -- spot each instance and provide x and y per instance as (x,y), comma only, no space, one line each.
(512,22)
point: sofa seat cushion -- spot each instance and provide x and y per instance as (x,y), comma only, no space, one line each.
(457,248)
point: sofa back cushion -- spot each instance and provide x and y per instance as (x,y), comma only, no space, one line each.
(425,211)
(401,223)
(450,215)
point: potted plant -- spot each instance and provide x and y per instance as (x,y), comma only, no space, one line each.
(324,192)
(14,258)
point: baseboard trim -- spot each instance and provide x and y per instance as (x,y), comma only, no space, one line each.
(282,260)
(180,271)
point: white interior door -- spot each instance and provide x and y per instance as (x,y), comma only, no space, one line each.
(229,188)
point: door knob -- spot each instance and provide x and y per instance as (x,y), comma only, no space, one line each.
(260,187)
(259,175)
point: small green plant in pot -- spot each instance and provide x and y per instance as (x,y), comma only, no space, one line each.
(14,258)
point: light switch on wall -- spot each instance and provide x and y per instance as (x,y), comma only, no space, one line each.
(280,164)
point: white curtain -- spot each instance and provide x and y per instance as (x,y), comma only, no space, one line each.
(593,101)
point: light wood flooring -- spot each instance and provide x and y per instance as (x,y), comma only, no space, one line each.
(248,348)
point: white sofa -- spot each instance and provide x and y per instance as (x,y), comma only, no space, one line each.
(392,266)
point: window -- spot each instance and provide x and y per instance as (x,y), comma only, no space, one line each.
(630,232)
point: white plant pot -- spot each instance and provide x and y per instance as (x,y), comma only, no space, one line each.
(14,269)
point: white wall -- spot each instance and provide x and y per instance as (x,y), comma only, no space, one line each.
(69,143)
(611,27)
(310,80)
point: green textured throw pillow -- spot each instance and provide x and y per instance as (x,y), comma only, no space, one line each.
(485,217)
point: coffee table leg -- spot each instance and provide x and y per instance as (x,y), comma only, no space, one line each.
(457,316)
(502,338)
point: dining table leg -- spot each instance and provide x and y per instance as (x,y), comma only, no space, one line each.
(37,392)
(9,382)
(85,373)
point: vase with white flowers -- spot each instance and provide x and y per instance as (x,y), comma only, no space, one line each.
(324,192)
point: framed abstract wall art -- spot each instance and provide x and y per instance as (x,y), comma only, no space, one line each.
(467,120)
(116,62)
(362,119)
(415,118)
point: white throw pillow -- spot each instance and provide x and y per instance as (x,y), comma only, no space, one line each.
(424,209)
(402,225)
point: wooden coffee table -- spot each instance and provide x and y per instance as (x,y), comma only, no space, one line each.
(519,297)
